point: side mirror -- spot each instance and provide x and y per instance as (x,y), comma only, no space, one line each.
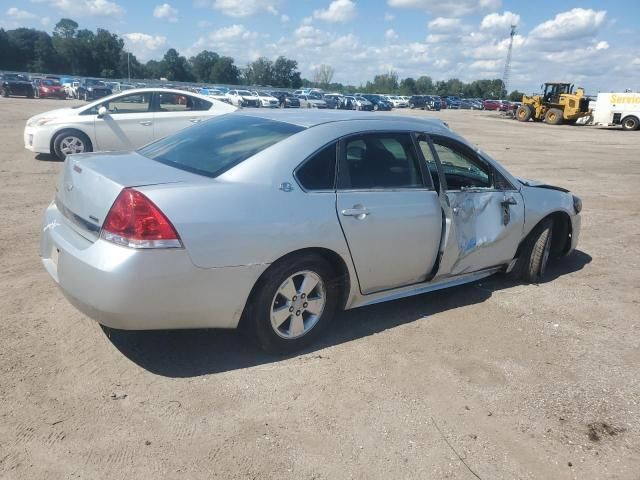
(102,111)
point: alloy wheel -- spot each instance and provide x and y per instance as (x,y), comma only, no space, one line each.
(71,144)
(298,304)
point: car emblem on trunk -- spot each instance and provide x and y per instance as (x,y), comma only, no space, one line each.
(77,168)
(68,186)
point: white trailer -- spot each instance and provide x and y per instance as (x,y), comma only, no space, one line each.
(617,109)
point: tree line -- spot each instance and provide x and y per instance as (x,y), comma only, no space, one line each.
(82,52)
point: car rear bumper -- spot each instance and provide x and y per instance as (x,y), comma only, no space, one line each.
(142,289)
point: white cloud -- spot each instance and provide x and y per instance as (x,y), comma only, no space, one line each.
(602,45)
(85,8)
(143,45)
(497,21)
(389,17)
(391,34)
(284,18)
(574,24)
(444,25)
(440,7)
(17,14)
(234,32)
(166,12)
(338,11)
(245,8)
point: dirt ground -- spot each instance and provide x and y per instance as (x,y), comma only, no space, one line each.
(491,380)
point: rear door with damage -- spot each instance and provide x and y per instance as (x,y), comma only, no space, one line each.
(484,213)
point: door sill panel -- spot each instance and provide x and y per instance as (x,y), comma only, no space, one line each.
(420,288)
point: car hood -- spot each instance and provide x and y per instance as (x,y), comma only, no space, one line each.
(16,82)
(58,113)
(537,184)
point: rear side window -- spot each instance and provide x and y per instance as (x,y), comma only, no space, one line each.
(213,147)
(319,171)
(380,161)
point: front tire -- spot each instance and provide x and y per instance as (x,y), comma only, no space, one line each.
(68,142)
(293,303)
(524,113)
(554,116)
(534,259)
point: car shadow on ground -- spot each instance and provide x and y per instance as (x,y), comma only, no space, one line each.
(191,353)
(46,157)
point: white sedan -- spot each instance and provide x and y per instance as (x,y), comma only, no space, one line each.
(267,100)
(124,121)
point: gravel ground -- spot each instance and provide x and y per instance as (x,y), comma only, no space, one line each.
(491,380)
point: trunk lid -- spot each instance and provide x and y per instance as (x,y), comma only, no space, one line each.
(90,183)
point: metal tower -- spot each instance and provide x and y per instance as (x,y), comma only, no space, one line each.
(507,65)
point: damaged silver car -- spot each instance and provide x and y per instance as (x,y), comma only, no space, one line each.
(274,220)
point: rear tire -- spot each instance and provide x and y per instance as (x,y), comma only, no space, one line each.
(554,116)
(280,324)
(534,259)
(524,113)
(630,123)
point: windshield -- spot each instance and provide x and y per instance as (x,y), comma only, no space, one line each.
(50,83)
(315,96)
(213,147)
(15,76)
(98,83)
(245,93)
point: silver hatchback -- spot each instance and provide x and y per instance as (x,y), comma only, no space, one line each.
(273,220)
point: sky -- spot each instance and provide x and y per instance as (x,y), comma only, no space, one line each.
(591,43)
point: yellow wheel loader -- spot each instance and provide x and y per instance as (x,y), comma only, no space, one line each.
(558,104)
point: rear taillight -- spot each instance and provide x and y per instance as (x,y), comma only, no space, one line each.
(134,221)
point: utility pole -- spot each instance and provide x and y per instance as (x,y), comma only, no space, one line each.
(129,66)
(507,65)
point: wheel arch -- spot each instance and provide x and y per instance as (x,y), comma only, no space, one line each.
(68,129)
(561,241)
(335,260)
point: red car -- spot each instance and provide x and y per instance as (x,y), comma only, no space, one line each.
(48,88)
(501,105)
(492,105)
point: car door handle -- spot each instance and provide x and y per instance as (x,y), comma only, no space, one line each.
(357,211)
(509,201)
(146,123)
(195,120)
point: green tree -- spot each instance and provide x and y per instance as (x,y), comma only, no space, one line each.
(176,67)
(285,73)
(259,72)
(224,71)
(516,96)
(408,86)
(424,85)
(202,65)
(65,28)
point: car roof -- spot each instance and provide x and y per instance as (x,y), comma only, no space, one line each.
(312,117)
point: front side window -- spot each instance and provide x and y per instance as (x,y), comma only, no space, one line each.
(133,103)
(461,167)
(318,172)
(380,160)
(213,147)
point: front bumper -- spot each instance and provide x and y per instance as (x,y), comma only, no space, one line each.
(142,289)
(576,223)
(37,139)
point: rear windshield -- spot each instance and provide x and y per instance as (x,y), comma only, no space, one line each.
(215,146)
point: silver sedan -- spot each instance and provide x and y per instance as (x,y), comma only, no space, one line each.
(274,220)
